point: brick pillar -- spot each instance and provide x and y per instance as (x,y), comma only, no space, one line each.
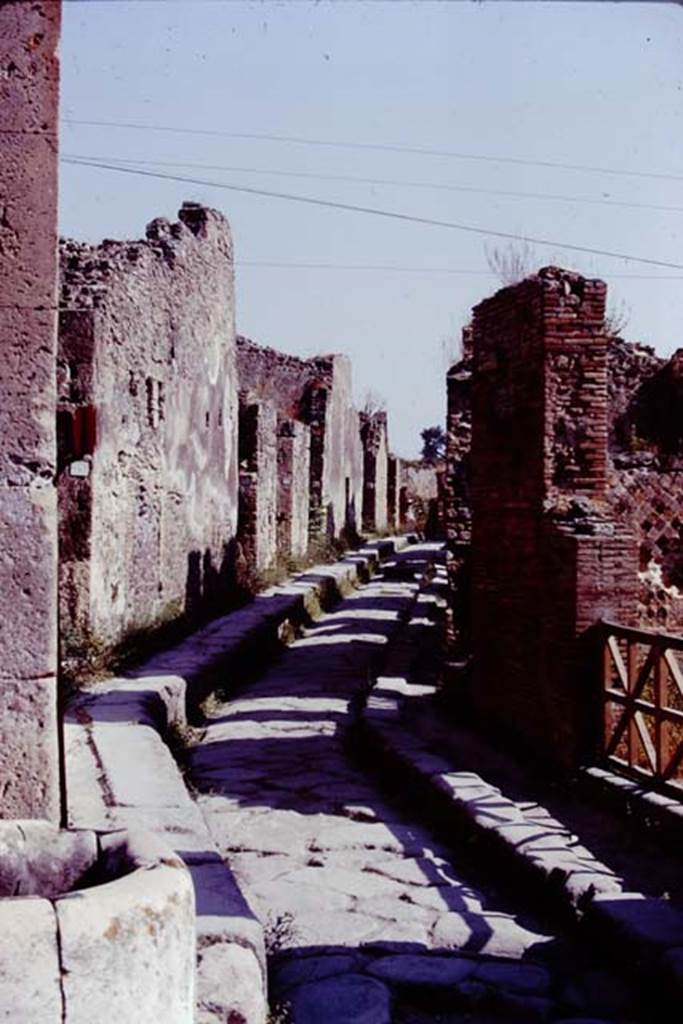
(29,88)
(548,559)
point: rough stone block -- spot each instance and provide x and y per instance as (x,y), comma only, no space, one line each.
(336,1000)
(29,83)
(30,989)
(230,985)
(128,946)
(29,762)
(28,229)
(37,860)
(27,396)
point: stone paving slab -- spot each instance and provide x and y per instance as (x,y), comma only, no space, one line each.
(221,647)
(349,889)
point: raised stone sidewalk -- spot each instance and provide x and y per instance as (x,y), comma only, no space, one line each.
(623,904)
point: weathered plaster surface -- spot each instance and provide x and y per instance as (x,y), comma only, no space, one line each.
(148,408)
(29,92)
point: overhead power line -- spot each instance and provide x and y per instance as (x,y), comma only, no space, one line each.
(389,268)
(354,179)
(376,212)
(381,147)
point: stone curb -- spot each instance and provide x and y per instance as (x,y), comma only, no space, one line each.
(95,928)
(120,772)
(542,852)
(249,635)
(662,814)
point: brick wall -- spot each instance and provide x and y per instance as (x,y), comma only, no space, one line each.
(548,558)
(29,90)
(148,427)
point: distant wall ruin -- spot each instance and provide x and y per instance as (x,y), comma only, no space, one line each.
(315,393)
(373,432)
(148,427)
(29,91)
(549,558)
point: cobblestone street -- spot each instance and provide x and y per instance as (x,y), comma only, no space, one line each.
(360,902)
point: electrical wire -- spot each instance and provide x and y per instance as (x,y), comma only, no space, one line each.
(437,186)
(376,212)
(381,147)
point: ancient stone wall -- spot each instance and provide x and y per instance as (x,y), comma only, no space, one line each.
(373,432)
(458,512)
(293,470)
(258,491)
(393,493)
(422,506)
(148,427)
(318,393)
(29,89)
(548,557)
(342,475)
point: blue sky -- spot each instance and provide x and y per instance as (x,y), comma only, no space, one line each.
(598,84)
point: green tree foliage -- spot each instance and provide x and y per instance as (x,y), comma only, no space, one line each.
(433,444)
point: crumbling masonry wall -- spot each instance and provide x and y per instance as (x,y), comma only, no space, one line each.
(373,432)
(316,392)
(458,511)
(258,490)
(293,471)
(148,427)
(393,493)
(29,89)
(548,557)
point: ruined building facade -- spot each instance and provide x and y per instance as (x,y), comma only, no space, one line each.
(191,461)
(148,483)
(319,454)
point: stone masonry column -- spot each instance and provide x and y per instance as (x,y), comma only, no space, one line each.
(29,88)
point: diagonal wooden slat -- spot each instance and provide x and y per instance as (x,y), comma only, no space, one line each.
(674,762)
(639,704)
(674,669)
(618,661)
(646,741)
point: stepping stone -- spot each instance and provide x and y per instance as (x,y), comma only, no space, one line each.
(299,971)
(423,971)
(340,1000)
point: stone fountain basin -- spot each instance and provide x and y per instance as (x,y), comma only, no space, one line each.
(93,928)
